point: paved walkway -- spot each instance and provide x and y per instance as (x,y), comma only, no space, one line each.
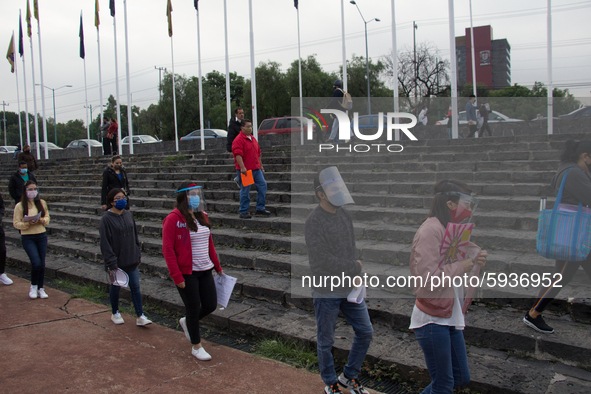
(61,345)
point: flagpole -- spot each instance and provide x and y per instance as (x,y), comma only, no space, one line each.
(117,85)
(176,133)
(28,140)
(253,85)
(228,98)
(98,41)
(42,91)
(129,113)
(395,71)
(344,49)
(85,85)
(36,117)
(550,115)
(454,78)
(200,84)
(18,99)
(300,81)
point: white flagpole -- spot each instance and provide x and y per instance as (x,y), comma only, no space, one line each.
(35,101)
(200,83)
(129,113)
(28,140)
(550,115)
(473,53)
(117,87)
(98,41)
(344,49)
(42,91)
(176,133)
(18,99)
(253,85)
(228,98)
(454,78)
(86,95)
(300,76)
(395,70)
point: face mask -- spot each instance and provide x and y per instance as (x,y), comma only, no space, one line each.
(337,199)
(23,171)
(121,204)
(194,202)
(32,194)
(118,167)
(459,218)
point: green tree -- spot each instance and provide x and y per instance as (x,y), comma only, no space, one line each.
(272,96)
(315,81)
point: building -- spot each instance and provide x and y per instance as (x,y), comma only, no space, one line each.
(492,58)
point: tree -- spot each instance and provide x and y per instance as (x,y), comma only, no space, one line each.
(315,81)
(272,97)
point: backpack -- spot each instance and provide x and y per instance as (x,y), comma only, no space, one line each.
(347,102)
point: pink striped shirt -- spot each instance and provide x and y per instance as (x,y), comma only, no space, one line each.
(200,248)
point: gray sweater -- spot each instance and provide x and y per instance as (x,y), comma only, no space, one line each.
(120,244)
(577,187)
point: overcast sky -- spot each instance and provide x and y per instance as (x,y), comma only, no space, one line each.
(522,23)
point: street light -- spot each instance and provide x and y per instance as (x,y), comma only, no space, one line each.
(366,55)
(54,121)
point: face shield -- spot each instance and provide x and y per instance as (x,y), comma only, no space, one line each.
(466,206)
(118,277)
(195,197)
(334,187)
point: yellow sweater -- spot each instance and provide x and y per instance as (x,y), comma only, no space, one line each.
(27,228)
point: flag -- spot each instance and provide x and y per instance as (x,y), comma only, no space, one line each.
(10,54)
(97,20)
(36,9)
(295,4)
(196,3)
(112,7)
(169,15)
(81,34)
(28,19)
(21,49)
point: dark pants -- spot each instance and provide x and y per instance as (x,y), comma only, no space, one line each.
(110,146)
(2,250)
(35,246)
(484,127)
(200,299)
(568,270)
(473,129)
(136,295)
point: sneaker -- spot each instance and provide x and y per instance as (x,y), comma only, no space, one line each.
(333,389)
(117,319)
(353,385)
(245,216)
(183,324)
(263,212)
(143,320)
(201,354)
(537,324)
(5,279)
(42,293)
(33,292)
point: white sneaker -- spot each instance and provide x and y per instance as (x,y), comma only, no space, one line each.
(33,292)
(143,320)
(5,279)
(117,319)
(201,354)
(183,324)
(42,293)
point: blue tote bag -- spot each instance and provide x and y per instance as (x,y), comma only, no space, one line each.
(564,235)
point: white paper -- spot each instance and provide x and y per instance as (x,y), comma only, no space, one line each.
(34,217)
(224,284)
(357,295)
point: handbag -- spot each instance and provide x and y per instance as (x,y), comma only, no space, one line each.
(564,235)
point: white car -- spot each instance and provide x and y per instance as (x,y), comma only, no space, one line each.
(140,139)
(7,149)
(493,117)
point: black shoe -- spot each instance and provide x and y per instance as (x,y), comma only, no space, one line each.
(333,389)
(245,216)
(537,324)
(264,212)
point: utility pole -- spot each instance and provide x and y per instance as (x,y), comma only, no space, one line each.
(4,114)
(414,39)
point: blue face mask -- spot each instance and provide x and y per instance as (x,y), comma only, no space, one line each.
(23,171)
(194,202)
(121,204)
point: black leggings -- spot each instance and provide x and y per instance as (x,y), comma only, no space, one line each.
(568,269)
(200,299)
(2,250)
(484,127)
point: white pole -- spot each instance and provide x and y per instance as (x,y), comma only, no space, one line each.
(85,97)
(98,41)
(550,93)
(42,92)
(454,78)
(344,49)
(228,98)
(253,85)
(18,100)
(129,113)
(117,87)
(395,70)
(35,102)
(300,76)
(200,84)
(176,133)
(28,140)
(473,53)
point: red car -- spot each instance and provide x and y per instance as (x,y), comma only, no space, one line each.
(283,125)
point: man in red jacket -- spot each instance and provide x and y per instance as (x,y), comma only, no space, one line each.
(247,156)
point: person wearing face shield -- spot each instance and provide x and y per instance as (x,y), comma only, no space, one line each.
(575,157)
(438,315)
(187,246)
(332,252)
(18,179)
(114,177)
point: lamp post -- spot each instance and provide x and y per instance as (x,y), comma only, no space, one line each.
(54,121)
(366,55)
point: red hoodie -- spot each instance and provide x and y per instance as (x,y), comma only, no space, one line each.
(176,247)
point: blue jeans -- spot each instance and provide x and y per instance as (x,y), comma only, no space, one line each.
(445,355)
(35,246)
(260,184)
(327,311)
(136,296)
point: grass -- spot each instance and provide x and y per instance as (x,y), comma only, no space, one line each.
(289,353)
(87,292)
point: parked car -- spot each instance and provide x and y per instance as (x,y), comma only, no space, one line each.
(50,146)
(493,117)
(7,149)
(283,125)
(83,143)
(141,139)
(207,133)
(368,124)
(584,112)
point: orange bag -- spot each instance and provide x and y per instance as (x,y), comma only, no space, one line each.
(247,179)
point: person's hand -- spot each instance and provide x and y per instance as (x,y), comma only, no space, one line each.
(243,170)
(181,285)
(262,168)
(104,207)
(34,221)
(481,259)
(467,264)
